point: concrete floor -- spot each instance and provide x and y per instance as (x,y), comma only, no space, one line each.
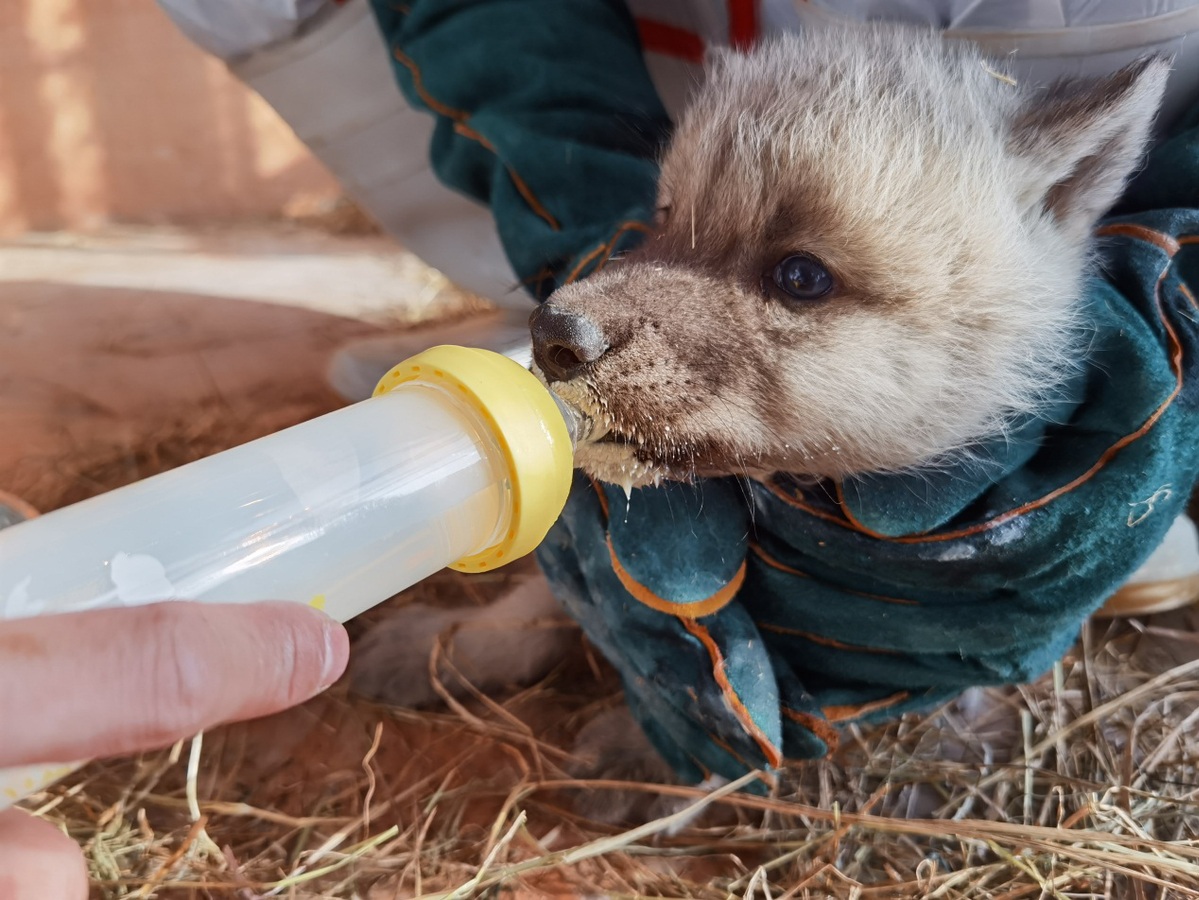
(130,351)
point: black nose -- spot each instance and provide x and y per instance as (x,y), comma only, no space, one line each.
(564,342)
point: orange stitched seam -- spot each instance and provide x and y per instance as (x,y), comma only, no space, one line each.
(1104,459)
(522,188)
(1186,291)
(631,225)
(724,746)
(1167,243)
(582,264)
(823,641)
(790,570)
(459,117)
(644,595)
(850,518)
(467,132)
(418,83)
(775,488)
(817,726)
(603,501)
(605,249)
(774,563)
(544,273)
(771,752)
(854,711)
(696,610)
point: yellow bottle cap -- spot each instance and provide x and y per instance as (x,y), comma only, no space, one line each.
(527,425)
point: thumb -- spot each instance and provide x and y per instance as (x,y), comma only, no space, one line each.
(37,861)
(116,681)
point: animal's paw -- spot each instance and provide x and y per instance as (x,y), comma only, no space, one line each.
(612,747)
(517,639)
(390,663)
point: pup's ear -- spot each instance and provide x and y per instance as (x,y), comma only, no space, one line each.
(1082,140)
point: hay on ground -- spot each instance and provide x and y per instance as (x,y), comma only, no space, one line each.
(1083,784)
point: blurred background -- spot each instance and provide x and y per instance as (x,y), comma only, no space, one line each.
(109,114)
(176,269)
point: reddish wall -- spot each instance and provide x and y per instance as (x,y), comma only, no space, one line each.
(108,113)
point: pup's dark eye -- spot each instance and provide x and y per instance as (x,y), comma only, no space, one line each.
(802,277)
(661,214)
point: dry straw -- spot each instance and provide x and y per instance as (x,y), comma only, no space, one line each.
(1081,785)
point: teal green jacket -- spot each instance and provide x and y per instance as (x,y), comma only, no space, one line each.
(749,619)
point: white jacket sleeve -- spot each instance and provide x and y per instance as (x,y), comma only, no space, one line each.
(233,28)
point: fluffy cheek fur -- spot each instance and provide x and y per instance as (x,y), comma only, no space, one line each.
(885,392)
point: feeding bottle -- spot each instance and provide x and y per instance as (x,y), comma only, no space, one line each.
(462,458)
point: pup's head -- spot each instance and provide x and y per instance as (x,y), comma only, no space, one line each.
(868,255)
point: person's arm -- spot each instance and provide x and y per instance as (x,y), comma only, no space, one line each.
(545,112)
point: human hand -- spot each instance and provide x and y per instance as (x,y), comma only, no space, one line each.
(116,681)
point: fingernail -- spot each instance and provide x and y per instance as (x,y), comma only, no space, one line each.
(336,652)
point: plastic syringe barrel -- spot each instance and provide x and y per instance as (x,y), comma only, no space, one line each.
(340,512)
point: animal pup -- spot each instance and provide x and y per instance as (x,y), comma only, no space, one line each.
(884,424)
(868,257)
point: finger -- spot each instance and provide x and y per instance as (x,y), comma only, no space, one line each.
(37,861)
(116,681)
